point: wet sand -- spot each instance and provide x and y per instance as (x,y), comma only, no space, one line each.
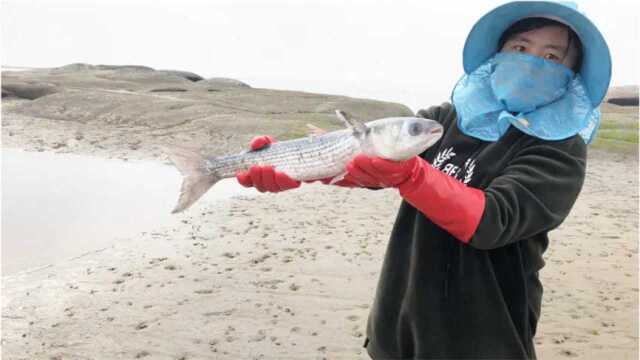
(292,275)
(57,206)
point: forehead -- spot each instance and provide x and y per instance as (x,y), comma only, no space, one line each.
(552,35)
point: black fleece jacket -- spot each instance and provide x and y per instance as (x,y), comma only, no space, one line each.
(439,298)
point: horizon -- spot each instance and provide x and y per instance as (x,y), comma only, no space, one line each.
(330,47)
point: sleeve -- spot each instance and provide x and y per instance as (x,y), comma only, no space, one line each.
(440,113)
(534,193)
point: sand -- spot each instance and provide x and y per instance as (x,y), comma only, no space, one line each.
(292,275)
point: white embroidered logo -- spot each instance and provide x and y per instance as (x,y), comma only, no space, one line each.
(453,170)
(469,166)
(442,157)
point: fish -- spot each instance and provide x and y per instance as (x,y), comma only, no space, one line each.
(322,155)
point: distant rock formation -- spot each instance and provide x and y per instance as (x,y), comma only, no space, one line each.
(89,67)
(623,95)
(221,83)
(628,101)
(175,100)
(184,74)
(27,90)
(170,89)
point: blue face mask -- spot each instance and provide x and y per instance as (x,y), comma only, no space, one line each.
(539,97)
(523,83)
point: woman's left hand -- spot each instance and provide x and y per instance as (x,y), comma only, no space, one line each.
(379,172)
(448,202)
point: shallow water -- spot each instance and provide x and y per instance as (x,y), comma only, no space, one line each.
(58,206)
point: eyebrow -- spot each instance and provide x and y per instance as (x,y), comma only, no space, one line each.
(549,46)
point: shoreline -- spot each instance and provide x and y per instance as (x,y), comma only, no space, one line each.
(84,202)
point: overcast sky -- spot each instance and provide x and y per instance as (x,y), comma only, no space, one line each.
(404,51)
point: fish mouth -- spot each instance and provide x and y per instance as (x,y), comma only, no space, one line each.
(436,130)
(434,135)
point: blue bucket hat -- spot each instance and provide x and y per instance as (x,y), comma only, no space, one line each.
(482,42)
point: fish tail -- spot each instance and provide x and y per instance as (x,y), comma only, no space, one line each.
(197,177)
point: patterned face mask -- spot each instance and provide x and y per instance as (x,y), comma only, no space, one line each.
(539,97)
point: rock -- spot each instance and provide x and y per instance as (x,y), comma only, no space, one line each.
(169,89)
(623,95)
(24,90)
(75,67)
(633,101)
(221,82)
(6,93)
(125,68)
(88,67)
(218,114)
(183,74)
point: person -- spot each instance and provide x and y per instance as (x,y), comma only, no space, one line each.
(460,277)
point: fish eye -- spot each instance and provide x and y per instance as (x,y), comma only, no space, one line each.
(415,129)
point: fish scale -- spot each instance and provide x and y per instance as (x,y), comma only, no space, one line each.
(301,159)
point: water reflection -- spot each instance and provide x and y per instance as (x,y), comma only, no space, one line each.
(57,206)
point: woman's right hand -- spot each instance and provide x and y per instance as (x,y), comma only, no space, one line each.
(265,178)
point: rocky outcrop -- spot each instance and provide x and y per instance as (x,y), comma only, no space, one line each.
(220,82)
(116,106)
(623,95)
(183,74)
(27,90)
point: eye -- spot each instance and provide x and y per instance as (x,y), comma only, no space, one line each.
(415,129)
(552,57)
(518,48)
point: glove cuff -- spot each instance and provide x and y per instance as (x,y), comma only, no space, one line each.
(446,201)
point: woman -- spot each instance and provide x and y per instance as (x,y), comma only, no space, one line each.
(460,275)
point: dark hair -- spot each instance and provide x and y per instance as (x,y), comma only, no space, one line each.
(534,23)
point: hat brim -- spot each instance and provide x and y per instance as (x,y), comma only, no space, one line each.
(595,71)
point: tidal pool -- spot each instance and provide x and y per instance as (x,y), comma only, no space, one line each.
(58,206)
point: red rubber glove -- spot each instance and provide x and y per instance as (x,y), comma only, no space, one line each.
(349,181)
(378,172)
(265,178)
(446,201)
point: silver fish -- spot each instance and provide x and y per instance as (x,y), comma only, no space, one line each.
(310,158)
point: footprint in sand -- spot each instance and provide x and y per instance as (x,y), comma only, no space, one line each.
(355,332)
(568,353)
(228,312)
(353,317)
(260,336)
(204,291)
(142,354)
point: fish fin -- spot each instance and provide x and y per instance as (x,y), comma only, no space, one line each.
(353,124)
(197,178)
(337,178)
(314,130)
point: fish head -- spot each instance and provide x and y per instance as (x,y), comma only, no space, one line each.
(400,138)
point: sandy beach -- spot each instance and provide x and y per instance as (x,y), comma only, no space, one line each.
(289,275)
